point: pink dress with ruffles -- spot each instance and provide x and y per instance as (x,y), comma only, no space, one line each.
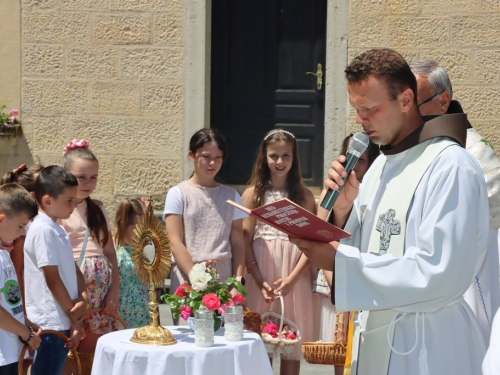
(276,258)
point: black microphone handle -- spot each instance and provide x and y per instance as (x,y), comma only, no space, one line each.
(332,195)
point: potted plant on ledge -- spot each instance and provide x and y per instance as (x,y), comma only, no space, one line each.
(9,125)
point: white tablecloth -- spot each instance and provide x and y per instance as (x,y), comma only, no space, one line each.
(117,355)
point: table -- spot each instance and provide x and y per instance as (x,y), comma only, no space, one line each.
(117,355)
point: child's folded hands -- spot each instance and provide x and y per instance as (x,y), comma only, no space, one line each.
(75,336)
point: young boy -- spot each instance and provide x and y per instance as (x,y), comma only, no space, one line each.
(17,208)
(55,288)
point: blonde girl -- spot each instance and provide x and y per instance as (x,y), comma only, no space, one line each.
(89,224)
(200,224)
(133,293)
(276,265)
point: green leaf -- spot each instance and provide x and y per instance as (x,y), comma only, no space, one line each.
(240,289)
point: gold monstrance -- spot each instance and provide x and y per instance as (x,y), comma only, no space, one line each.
(150,251)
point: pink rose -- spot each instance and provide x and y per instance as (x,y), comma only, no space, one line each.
(14,112)
(181,291)
(238,298)
(272,329)
(222,309)
(211,301)
(185,312)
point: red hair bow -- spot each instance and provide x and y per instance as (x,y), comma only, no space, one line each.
(75,143)
(20,169)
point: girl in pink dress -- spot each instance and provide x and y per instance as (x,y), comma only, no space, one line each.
(273,263)
(98,263)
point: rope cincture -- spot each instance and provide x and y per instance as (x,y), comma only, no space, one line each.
(482,300)
(423,364)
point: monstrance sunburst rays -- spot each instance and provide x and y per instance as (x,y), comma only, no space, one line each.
(150,234)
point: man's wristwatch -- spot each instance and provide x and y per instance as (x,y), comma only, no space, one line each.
(241,279)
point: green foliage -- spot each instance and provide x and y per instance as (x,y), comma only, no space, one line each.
(186,296)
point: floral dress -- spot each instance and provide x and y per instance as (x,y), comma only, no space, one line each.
(133,293)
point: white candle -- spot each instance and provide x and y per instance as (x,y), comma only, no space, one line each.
(204,337)
(233,331)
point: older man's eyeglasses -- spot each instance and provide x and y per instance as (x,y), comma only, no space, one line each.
(430,98)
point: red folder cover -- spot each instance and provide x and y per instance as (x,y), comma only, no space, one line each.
(295,221)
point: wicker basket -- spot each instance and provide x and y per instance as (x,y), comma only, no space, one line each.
(278,345)
(85,360)
(329,353)
(20,367)
(324,353)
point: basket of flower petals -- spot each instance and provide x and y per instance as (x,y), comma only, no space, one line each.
(279,333)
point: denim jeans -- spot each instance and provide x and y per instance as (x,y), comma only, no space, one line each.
(50,357)
(10,369)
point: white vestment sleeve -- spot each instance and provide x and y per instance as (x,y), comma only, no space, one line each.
(490,165)
(445,244)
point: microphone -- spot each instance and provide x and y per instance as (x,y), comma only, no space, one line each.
(358,144)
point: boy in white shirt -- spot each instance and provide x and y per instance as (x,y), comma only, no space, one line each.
(17,208)
(56,296)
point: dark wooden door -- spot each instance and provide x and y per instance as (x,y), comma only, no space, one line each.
(261,51)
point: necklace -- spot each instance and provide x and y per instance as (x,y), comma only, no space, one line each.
(280,195)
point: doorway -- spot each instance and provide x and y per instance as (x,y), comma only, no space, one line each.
(264,57)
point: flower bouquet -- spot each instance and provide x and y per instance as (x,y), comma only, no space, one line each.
(8,121)
(205,292)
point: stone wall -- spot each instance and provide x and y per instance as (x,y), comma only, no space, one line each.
(461,35)
(110,71)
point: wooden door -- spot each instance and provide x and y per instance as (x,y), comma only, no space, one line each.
(261,52)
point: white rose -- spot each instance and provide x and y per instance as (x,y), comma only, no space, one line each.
(199,278)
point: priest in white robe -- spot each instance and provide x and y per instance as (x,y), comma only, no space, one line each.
(435,97)
(407,284)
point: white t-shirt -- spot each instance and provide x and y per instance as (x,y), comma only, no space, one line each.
(47,244)
(173,204)
(10,300)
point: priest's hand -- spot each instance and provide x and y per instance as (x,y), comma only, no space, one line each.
(350,189)
(321,254)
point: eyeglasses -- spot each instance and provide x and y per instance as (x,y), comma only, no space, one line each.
(430,98)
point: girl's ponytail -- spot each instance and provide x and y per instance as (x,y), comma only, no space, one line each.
(24,176)
(96,222)
(7,178)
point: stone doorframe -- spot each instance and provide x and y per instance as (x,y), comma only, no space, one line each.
(197,34)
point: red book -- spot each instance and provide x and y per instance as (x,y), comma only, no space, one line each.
(290,218)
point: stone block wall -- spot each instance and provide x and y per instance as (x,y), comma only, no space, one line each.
(461,35)
(110,71)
